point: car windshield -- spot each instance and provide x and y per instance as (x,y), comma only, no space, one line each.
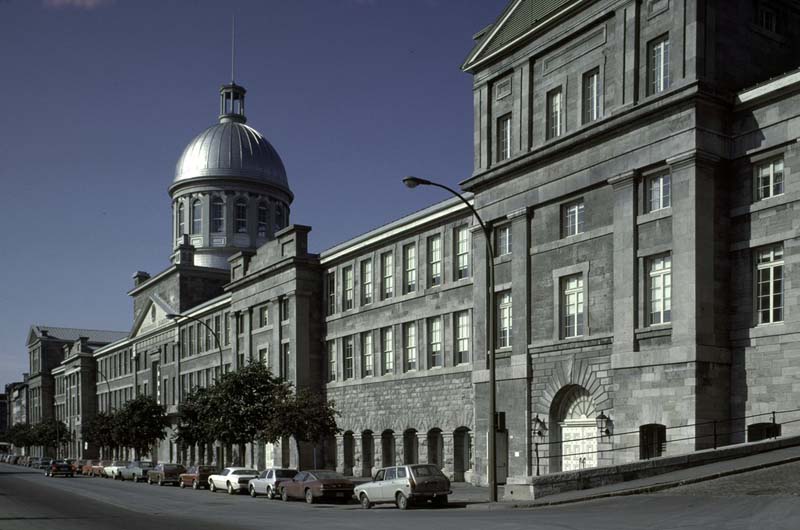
(322,475)
(285,473)
(426,471)
(206,469)
(245,472)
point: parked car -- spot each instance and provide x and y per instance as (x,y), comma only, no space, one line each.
(317,484)
(86,467)
(404,485)
(41,463)
(114,469)
(98,467)
(165,474)
(59,467)
(232,479)
(197,476)
(73,463)
(267,482)
(136,470)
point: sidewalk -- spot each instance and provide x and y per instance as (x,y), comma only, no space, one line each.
(476,498)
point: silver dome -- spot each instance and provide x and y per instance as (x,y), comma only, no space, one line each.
(231,149)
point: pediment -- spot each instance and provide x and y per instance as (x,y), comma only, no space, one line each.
(152,317)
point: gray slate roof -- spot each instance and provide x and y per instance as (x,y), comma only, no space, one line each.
(98,336)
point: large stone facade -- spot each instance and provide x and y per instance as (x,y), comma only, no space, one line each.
(641,191)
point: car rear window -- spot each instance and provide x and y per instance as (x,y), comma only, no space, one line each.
(426,471)
(285,473)
(245,472)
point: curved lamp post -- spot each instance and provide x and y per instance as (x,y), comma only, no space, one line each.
(176,316)
(413,182)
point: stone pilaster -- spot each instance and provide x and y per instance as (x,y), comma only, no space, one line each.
(625,262)
(340,453)
(377,453)
(358,456)
(448,455)
(423,456)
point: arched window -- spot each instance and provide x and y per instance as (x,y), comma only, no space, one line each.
(197,220)
(263,219)
(217,215)
(241,216)
(181,220)
(278,216)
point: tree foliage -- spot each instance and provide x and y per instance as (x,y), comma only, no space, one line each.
(140,423)
(21,435)
(50,434)
(196,413)
(100,430)
(308,417)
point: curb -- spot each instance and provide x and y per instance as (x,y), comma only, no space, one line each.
(633,491)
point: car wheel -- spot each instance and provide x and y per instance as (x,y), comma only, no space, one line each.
(195,485)
(440,501)
(269,492)
(211,486)
(253,492)
(309,496)
(182,485)
(365,502)
(231,491)
(284,495)
(401,501)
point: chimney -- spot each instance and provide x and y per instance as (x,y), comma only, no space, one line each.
(44,333)
(139,278)
(83,344)
(185,253)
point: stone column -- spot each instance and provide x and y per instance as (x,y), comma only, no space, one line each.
(340,453)
(448,455)
(358,457)
(422,448)
(377,453)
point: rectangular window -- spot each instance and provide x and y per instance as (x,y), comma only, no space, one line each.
(572,306)
(462,252)
(347,284)
(504,137)
(410,345)
(191,340)
(660,290)
(331,292)
(659,192)
(769,285)
(658,67)
(572,219)
(769,179)
(434,260)
(366,282)
(387,268)
(263,355)
(207,328)
(284,308)
(286,352)
(347,343)
(591,96)
(767,19)
(387,347)
(331,360)
(462,325)
(410,268)
(263,316)
(502,240)
(555,113)
(227,318)
(367,355)
(504,320)
(436,358)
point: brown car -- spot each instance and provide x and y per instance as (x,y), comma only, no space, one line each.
(196,477)
(98,466)
(165,474)
(320,484)
(86,467)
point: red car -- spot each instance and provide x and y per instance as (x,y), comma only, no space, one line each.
(320,484)
(196,477)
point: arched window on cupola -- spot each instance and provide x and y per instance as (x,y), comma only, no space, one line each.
(217,215)
(278,216)
(197,219)
(263,219)
(181,220)
(241,216)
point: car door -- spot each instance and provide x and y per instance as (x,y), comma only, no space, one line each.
(387,491)
(268,479)
(374,489)
(295,488)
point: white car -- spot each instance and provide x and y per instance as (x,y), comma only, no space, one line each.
(267,480)
(404,485)
(232,479)
(113,471)
(135,471)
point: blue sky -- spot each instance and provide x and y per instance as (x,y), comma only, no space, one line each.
(101,96)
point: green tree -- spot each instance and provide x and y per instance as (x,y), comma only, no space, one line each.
(50,434)
(100,430)
(21,435)
(197,412)
(307,417)
(246,402)
(140,423)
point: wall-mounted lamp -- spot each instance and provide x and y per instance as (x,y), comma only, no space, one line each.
(539,427)
(603,424)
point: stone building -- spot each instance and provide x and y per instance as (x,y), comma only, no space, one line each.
(634,164)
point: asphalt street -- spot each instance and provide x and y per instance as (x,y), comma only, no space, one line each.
(31,501)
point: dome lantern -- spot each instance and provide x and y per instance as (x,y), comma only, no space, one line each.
(231,103)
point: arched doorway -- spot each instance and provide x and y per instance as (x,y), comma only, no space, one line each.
(410,447)
(347,442)
(387,448)
(572,418)
(367,453)
(435,447)
(462,453)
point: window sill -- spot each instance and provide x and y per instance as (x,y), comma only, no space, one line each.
(502,258)
(655,331)
(764,204)
(571,240)
(655,215)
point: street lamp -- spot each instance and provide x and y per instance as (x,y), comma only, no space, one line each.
(413,182)
(176,316)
